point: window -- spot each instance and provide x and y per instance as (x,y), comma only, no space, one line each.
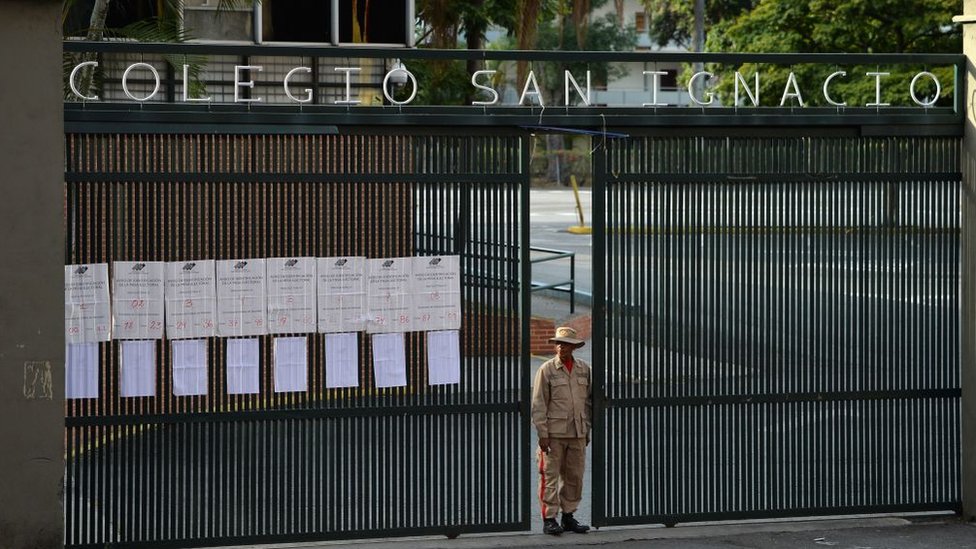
(373,21)
(360,21)
(640,22)
(296,21)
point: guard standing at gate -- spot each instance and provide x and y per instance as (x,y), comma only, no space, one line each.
(561,405)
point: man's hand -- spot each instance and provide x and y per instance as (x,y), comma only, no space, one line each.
(544,445)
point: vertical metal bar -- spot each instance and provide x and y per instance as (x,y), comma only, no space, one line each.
(598,336)
(524,144)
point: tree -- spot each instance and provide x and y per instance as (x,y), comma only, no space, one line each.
(673,21)
(166,25)
(563,33)
(827,26)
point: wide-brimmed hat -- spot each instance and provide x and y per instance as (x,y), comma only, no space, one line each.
(565,334)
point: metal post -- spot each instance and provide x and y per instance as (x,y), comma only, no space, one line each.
(525,287)
(335,23)
(257,33)
(967,325)
(597,339)
(411,20)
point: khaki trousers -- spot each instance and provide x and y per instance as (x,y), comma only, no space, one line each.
(561,475)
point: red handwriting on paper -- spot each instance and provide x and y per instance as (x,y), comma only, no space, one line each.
(74,330)
(180,324)
(155,325)
(208,323)
(137,304)
(128,325)
(187,303)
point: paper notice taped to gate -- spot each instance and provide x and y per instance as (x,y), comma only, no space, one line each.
(81,370)
(389,301)
(389,360)
(341,360)
(191,299)
(341,294)
(87,313)
(189,367)
(291,295)
(137,299)
(243,366)
(241,298)
(437,293)
(291,364)
(443,357)
(138,369)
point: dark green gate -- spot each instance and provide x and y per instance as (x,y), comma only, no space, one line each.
(777,320)
(776,295)
(327,463)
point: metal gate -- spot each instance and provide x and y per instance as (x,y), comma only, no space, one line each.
(328,463)
(778,324)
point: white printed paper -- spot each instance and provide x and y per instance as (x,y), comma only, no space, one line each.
(389,360)
(291,364)
(437,292)
(243,367)
(342,294)
(189,367)
(137,299)
(389,301)
(87,313)
(241,304)
(191,302)
(138,369)
(81,370)
(341,360)
(443,357)
(291,295)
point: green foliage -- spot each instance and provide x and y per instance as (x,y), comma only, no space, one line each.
(449,83)
(827,26)
(165,26)
(673,21)
(438,82)
(604,34)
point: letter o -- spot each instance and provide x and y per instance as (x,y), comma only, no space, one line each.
(413,82)
(938,89)
(125,84)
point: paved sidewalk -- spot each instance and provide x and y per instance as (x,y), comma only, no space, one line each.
(864,532)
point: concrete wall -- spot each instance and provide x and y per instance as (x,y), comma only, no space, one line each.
(32,277)
(968,320)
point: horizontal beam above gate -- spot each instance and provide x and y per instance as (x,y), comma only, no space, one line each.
(319,89)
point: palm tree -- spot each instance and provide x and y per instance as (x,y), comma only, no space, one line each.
(165,26)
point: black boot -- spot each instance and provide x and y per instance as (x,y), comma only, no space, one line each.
(550,526)
(570,524)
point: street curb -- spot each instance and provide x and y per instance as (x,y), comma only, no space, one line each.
(606,536)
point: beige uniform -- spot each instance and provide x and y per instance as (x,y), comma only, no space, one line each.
(561,405)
